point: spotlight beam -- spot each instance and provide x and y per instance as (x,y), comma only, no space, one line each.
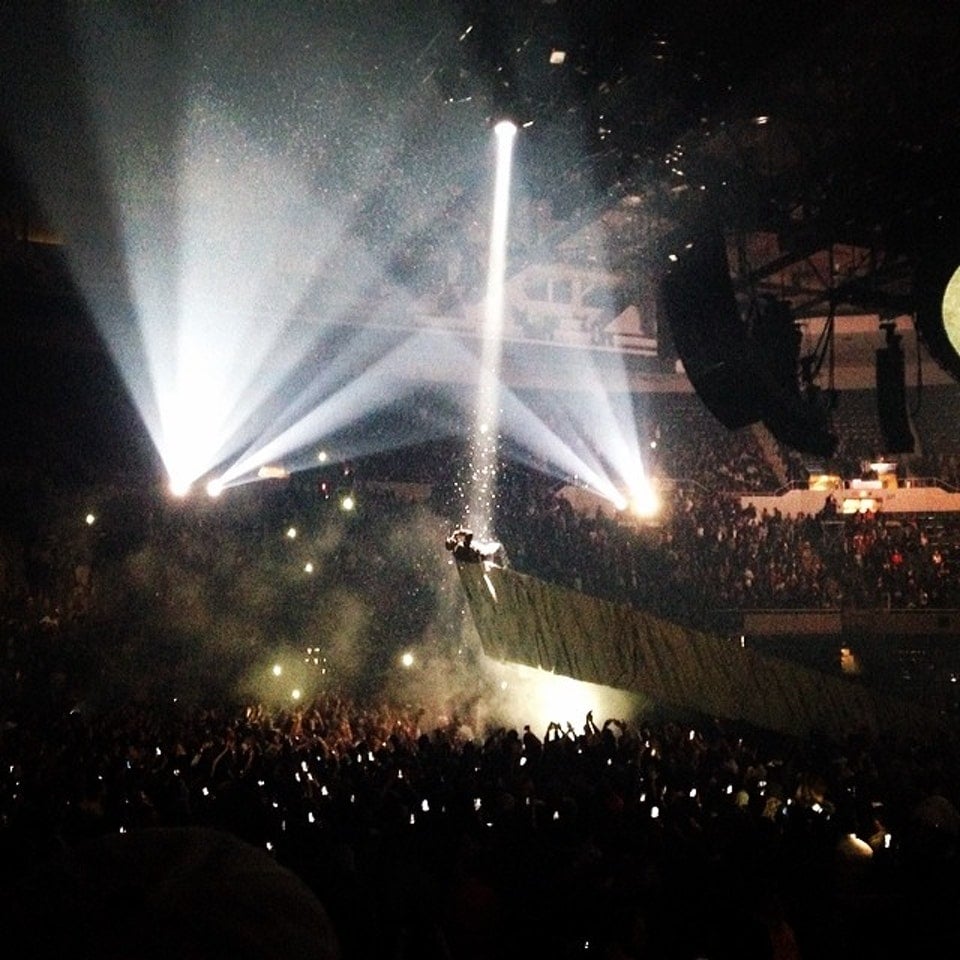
(379,386)
(522,425)
(486,424)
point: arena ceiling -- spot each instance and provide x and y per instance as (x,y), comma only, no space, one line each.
(821,136)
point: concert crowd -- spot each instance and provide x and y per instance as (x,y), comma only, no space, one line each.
(403,831)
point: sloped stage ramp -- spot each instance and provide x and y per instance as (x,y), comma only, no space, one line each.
(524,620)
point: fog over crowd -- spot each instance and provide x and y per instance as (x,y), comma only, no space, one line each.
(292,666)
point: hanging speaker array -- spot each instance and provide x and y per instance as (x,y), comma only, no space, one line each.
(892,396)
(743,373)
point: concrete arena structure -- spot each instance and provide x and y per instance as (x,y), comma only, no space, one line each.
(522,619)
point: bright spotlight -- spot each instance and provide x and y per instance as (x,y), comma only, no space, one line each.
(322,456)
(277,669)
(645,502)
(90,519)
(485,446)
(215,488)
(291,533)
(296,693)
(272,472)
(535,696)
(620,503)
(179,487)
(407,659)
(348,503)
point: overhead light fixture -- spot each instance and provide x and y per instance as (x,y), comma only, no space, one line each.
(558,57)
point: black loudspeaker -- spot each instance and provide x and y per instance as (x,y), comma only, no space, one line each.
(699,305)
(892,397)
(741,377)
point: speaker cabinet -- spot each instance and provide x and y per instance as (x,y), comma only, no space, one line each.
(701,310)
(892,398)
(739,377)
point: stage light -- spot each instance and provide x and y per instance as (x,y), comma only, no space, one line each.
(90,519)
(179,487)
(348,503)
(207,374)
(407,659)
(486,414)
(374,373)
(210,378)
(538,697)
(602,410)
(277,670)
(215,488)
(620,503)
(268,472)
(645,502)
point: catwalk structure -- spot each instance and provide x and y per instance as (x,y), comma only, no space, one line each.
(522,619)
